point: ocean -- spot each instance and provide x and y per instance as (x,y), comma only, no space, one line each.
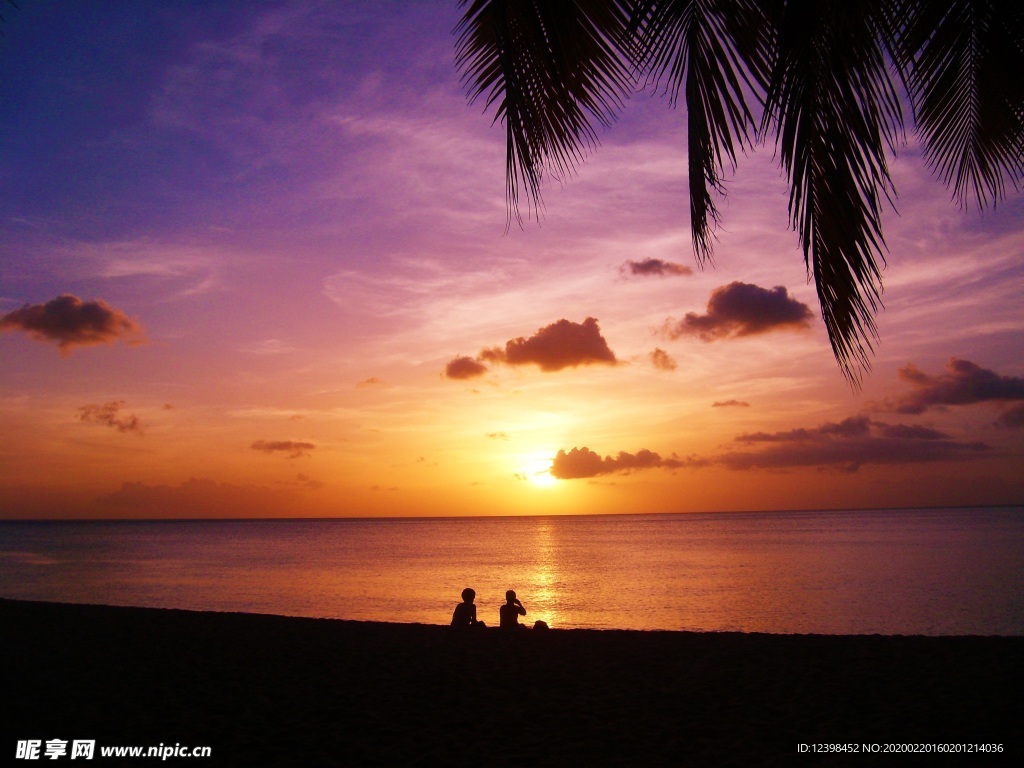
(922,571)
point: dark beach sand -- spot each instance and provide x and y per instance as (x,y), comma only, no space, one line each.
(270,690)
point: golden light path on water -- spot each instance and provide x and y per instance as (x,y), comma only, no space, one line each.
(888,572)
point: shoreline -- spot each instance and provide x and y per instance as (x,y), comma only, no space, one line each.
(275,690)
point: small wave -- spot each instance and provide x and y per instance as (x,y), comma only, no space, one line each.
(30,558)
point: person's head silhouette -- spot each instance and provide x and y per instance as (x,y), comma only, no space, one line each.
(468,595)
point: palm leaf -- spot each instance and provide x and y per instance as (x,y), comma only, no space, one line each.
(715,53)
(836,112)
(552,68)
(964,62)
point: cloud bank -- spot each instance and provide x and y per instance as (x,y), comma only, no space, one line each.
(70,322)
(742,309)
(582,462)
(563,344)
(197,497)
(847,445)
(294,449)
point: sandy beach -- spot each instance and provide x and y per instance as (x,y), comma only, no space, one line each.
(270,690)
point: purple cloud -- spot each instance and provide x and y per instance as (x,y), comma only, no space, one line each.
(563,344)
(70,322)
(742,309)
(654,268)
(964,383)
(848,445)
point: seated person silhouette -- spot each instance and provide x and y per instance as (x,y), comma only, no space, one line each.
(465,612)
(510,612)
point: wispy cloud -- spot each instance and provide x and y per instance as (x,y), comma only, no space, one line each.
(185,270)
(109,414)
(267,347)
(662,360)
(293,448)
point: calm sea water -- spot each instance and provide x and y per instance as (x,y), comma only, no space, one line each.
(935,572)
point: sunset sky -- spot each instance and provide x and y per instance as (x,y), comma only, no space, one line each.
(254,262)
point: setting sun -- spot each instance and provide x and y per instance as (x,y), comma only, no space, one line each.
(537,469)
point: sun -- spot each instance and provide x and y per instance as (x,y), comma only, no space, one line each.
(538,471)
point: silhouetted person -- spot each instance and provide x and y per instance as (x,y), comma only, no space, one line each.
(511,611)
(465,612)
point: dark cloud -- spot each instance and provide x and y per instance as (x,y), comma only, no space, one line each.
(293,448)
(109,414)
(742,309)
(964,383)
(197,498)
(563,344)
(498,435)
(373,381)
(1012,419)
(583,462)
(662,360)
(70,322)
(730,404)
(654,268)
(851,427)
(848,445)
(464,368)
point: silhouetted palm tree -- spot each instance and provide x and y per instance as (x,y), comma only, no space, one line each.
(823,76)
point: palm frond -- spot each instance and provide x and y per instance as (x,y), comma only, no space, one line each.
(552,69)
(835,112)
(964,62)
(716,53)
